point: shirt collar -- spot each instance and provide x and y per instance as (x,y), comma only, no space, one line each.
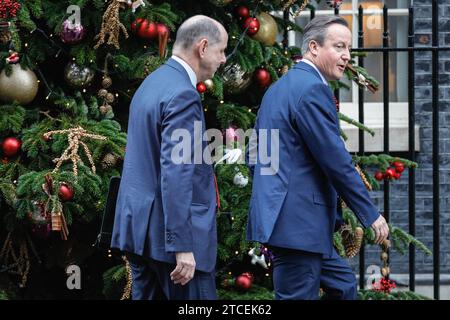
(190,72)
(314,66)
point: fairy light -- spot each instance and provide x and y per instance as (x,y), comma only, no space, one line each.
(221,101)
(84,90)
(117,95)
(236,252)
(249,110)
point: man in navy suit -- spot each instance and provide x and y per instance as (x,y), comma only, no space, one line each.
(165,212)
(293,207)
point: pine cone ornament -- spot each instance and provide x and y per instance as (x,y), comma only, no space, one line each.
(109,161)
(5,36)
(106,82)
(352,240)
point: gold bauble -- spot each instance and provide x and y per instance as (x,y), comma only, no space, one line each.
(21,86)
(268,29)
(209,84)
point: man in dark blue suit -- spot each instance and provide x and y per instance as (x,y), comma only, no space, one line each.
(293,207)
(165,212)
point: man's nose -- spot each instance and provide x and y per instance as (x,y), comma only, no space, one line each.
(224,59)
(346,55)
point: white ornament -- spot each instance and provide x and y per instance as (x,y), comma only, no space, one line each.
(257,259)
(240,180)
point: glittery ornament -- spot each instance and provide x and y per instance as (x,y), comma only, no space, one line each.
(72,33)
(20,86)
(78,76)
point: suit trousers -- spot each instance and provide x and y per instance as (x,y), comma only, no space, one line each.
(151,281)
(298,275)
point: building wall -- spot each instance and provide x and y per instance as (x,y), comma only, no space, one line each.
(424,174)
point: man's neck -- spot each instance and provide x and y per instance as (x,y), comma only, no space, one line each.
(188,61)
(312,61)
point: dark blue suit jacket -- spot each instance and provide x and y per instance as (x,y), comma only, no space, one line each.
(297,207)
(163,207)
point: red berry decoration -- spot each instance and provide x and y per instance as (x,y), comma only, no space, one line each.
(397,175)
(253,25)
(389,174)
(145,29)
(11,146)
(399,167)
(263,78)
(244,281)
(201,87)
(65,192)
(9,9)
(379,176)
(243,12)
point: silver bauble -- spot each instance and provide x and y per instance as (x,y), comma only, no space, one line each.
(78,76)
(235,80)
(21,86)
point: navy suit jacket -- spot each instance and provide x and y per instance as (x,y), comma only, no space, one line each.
(163,207)
(297,207)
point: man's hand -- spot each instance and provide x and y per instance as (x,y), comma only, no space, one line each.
(381,229)
(184,271)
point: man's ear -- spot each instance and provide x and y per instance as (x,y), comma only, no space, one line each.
(202,47)
(313,46)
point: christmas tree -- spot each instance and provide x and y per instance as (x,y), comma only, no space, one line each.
(68,72)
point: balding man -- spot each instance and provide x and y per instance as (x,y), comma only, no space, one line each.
(165,212)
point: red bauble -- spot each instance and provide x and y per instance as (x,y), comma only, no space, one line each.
(244,281)
(379,176)
(397,175)
(389,174)
(201,87)
(243,12)
(144,29)
(297,58)
(11,146)
(263,78)
(162,28)
(65,192)
(253,25)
